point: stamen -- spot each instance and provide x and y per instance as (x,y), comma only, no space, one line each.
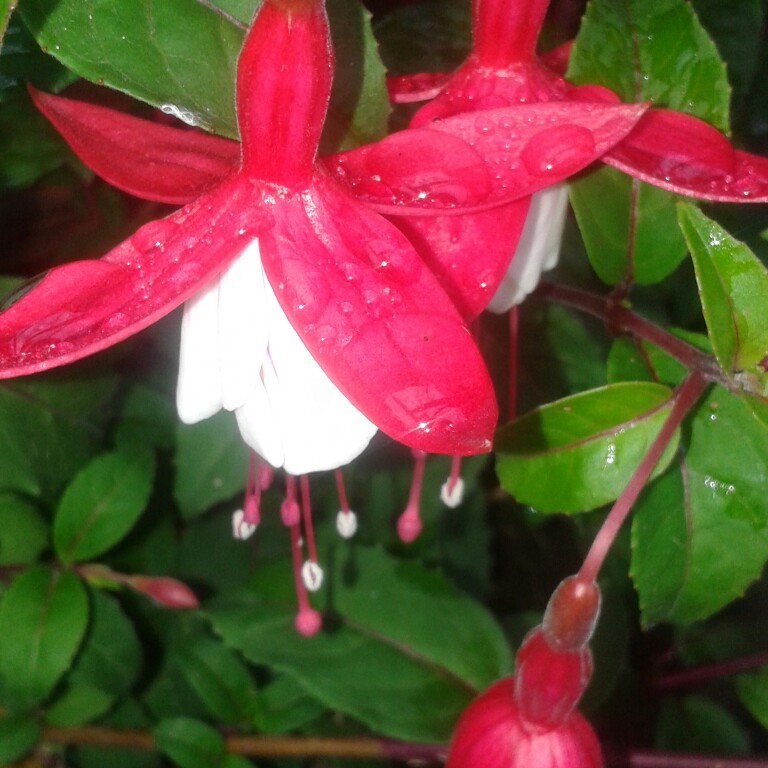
(265,475)
(246,520)
(312,575)
(290,513)
(452,491)
(346,519)
(309,531)
(308,621)
(409,523)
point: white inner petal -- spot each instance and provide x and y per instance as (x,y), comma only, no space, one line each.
(243,327)
(537,250)
(198,391)
(319,428)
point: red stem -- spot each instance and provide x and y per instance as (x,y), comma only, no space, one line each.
(706,672)
(684,399)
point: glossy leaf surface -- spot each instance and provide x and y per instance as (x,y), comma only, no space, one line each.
(733,285)
(591,442)
(700,533)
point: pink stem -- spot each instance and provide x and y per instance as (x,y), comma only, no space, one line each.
(706,672)
(684,399)
(514,324)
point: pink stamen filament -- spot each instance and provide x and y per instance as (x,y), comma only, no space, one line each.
(289,509)
(409,523)
(455,473)
(343,503)
(307,621)
(252,501)
(309,531)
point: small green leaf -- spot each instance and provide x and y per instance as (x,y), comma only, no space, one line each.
(733,285)
(700,533)
(190,743)
(48,611)
(102,504)
(752,689)
(220,678)
(23,531)
(211,461)
(18,735)
(580,452)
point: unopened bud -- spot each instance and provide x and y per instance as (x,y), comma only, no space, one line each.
(170,593)
(571,614)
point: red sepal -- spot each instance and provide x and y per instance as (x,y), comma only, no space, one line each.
(475,161)
(378,322)
(683,154)
(80,308)
(144,158)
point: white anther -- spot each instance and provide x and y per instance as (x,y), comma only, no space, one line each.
(346,524)
(312,575)
(240,528)
(452,497)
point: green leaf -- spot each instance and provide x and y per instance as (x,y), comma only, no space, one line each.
(219,677)
(190,743)
(6,9)
(48,611)
(700,533)
(591,443)
(31,147)
(700,725)
(110,657)
(395,663)
(77,704)
(48,429)
(471,647)
(102,504)
(609,206)
(652,50)
(752,689)
(733,285)
(23,530)
(211,461)
(643,50)
(18,735)
(283,705)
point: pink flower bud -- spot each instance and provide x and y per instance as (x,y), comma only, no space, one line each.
(165,591)
(492,733)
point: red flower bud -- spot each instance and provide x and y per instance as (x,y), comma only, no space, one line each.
(170,593)
(493,733)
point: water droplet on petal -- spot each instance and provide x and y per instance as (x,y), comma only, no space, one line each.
(558,151)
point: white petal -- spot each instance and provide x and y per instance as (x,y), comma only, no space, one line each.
(259,426)
(198,391)
(243,326)
(319,427)
(537,250)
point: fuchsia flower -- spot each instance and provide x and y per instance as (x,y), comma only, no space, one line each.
(672,150)
(530,721)
(313,318)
